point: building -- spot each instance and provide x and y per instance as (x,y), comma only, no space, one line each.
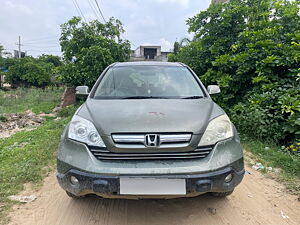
(16,54)
(149,52)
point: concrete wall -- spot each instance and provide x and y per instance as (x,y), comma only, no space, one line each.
(137,52)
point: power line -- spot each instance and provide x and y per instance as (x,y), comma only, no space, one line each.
(42,46)
(43,42)
(93,9)
(51,41)
(76,8)
(54,37)
(102,15)
(79,10)
(134,45)
(33,50)
(100,11)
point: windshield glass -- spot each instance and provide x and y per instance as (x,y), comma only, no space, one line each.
(148,82)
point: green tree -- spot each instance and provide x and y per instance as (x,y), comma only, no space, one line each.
(88,48)
(28,72)
(176,49)
(55,60)
(251,48)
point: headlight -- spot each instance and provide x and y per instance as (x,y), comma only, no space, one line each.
(217,130)
(84,131)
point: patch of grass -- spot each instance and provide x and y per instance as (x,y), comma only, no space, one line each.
(271,155)
(36,99)
(24,157)
(68,111)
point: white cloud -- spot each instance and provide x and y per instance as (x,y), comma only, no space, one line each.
(184,3)
(20,8)
(159,22)
(165,44)
(146,21)
(90,16)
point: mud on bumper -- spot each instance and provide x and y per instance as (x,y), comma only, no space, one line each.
(110,185)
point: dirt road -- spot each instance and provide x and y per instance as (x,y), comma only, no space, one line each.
(257,200)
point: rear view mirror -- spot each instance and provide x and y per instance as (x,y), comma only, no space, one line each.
(82,91)
(213,89)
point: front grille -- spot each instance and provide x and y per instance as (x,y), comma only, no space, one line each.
(164,140)
(105,154)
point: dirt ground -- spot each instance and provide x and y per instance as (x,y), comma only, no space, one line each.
(258,200)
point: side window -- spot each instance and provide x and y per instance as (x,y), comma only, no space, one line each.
(106,85)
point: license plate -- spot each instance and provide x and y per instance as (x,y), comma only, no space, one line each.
(152,186)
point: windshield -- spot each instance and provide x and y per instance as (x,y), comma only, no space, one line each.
(148,82)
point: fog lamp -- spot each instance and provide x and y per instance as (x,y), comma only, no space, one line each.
(228,178)
(74,180)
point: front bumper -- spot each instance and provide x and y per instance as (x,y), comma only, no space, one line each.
(109,186)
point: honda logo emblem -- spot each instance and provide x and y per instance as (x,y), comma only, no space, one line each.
(152,140)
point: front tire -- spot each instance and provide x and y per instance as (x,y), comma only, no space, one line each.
(73,196)
(221,194)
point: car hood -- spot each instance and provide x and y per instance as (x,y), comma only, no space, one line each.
(148,115)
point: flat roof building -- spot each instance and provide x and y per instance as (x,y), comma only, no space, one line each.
(149,52)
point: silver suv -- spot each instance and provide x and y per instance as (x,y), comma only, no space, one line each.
(149,130)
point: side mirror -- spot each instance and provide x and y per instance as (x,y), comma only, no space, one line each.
(82,91)
(213,89)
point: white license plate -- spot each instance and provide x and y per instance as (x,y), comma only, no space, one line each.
(152,186)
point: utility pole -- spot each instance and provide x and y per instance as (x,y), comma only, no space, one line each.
(19,45)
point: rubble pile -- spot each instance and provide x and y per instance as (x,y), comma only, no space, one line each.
(14,122)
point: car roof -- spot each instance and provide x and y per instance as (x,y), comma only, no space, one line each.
(147,63)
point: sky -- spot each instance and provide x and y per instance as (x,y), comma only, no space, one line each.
(158,22)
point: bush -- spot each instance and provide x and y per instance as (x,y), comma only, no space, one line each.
(68,110)
(273,114)
(29,72)
(251,49)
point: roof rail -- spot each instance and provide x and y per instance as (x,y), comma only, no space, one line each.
(113,64)
(182,64)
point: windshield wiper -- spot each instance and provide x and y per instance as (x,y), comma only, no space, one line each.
(144,97)
(193,97)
